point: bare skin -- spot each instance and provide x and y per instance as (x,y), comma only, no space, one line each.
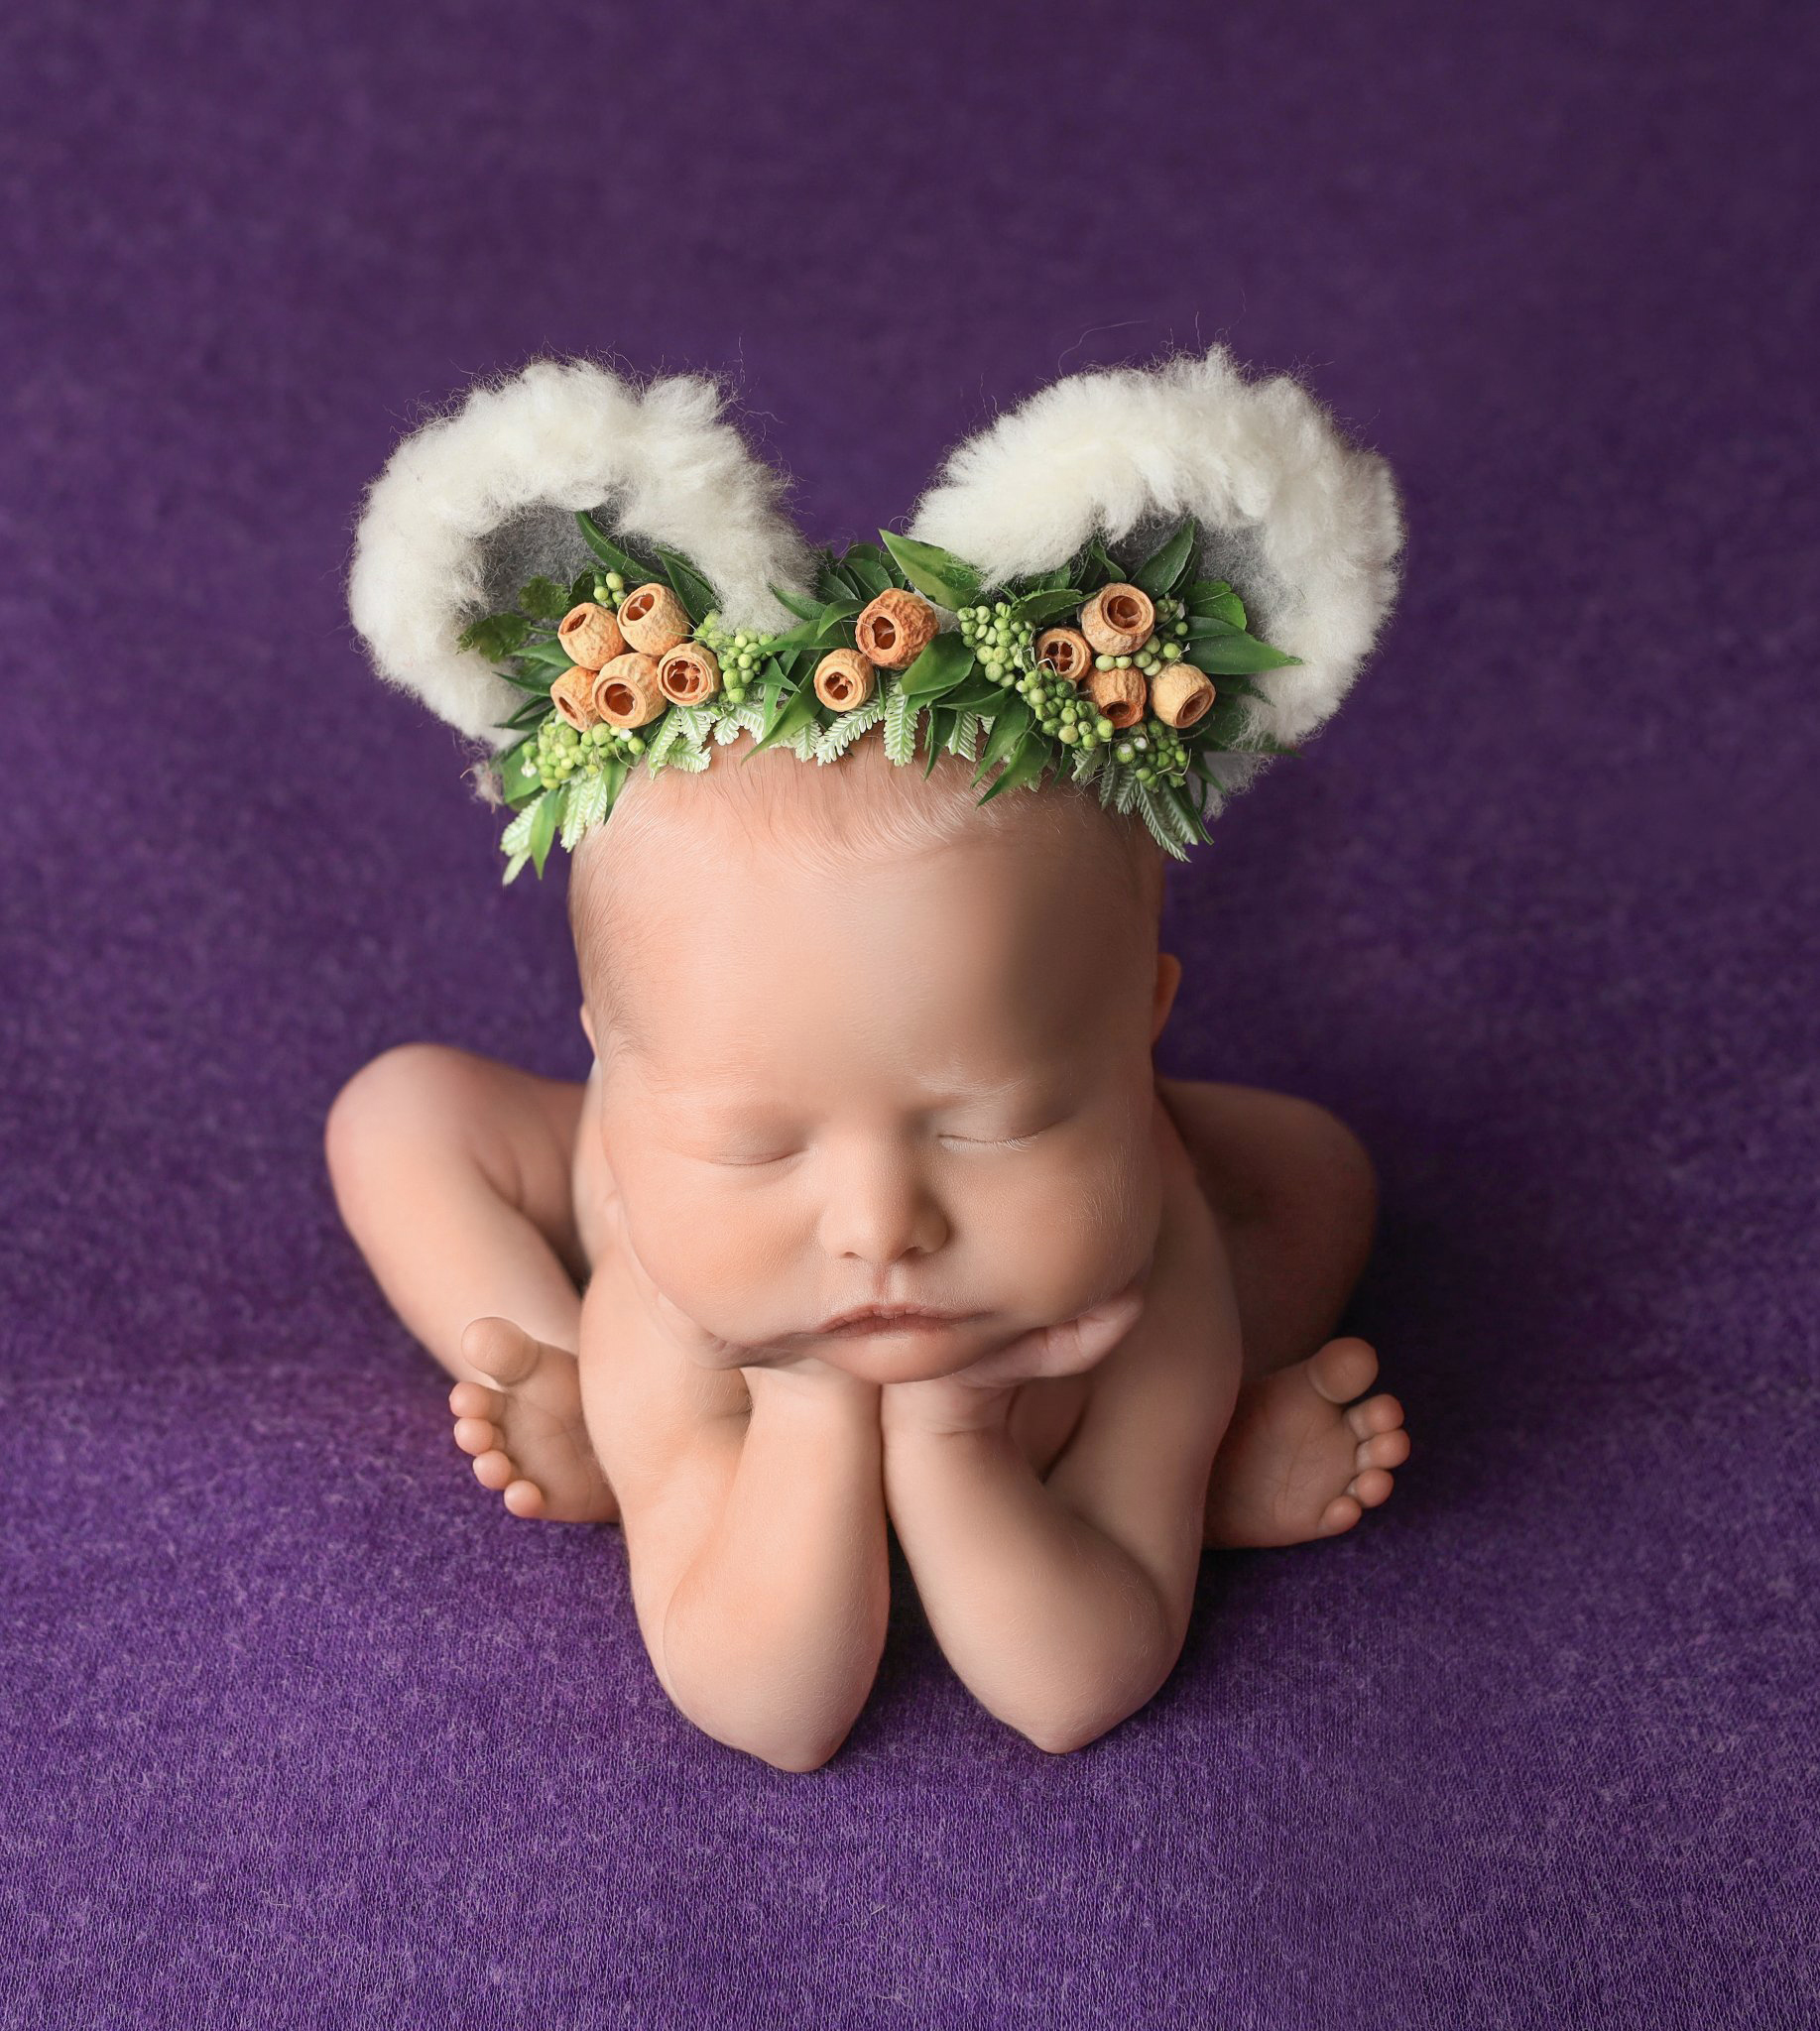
(1133,1281)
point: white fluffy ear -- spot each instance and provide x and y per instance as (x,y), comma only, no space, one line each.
(476,502)
(1305,526)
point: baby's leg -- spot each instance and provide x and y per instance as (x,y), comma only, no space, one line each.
(1296,1198)
(452,1173)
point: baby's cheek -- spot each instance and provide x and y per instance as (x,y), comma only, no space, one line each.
(1066,1232)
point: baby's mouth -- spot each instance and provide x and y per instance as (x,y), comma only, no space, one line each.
(873,1320)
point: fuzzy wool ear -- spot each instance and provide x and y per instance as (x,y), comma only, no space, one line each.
(476,502)
(1305,526)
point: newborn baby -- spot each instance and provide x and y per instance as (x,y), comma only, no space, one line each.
(873,1208)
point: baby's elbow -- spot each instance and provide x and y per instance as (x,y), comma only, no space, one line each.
(782,1742)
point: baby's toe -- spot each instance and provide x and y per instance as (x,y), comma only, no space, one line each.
(1375,1414)
(475,1399)
(1340,1514)
(524,1498)
(477,1435)
(1343,1369)
(1371,1488)
(495,1470)
(499,1348)
(1387,1449)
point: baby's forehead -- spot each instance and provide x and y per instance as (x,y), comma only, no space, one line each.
(685,863)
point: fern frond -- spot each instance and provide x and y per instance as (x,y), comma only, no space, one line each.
(513,866)
(666,737)
(588,805)
(1164,826)
(900,712)
(965,738)
(516,835)
(838,737)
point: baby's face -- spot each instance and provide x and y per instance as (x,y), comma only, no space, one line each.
(893,1112)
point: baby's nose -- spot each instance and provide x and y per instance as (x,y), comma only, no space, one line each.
(880,1210)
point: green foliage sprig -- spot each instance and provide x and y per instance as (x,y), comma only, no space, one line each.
(977,691)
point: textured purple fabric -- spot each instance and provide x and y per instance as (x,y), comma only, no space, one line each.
(299,1727)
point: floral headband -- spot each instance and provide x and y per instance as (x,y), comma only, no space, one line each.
(600,578)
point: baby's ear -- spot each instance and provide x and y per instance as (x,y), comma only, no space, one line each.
(1162,996)
(1304,526)
(476,505)
(587,1025)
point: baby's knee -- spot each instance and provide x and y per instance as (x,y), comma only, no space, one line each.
(1329,1162)
(393,1095)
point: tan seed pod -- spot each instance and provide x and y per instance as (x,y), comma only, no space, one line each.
(626,692)
(1118,619)
(1118,695)
(688,673)
(590,634)
(844,679)
(895,629)
(653,620)
(1067,653)
(1180,695)
(572,694)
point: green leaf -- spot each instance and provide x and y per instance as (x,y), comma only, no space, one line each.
(868,573)
(978,695)
(798,710)
(1032,758)
(536,688)
(1008,728)
(940,666)
(1234,654)
(801,604)
(551,656)
(514,867)
(937,574)
(826,627)
(827,585)
(1098,566)
(514,784)
(1160,571)
(543,599)
(1187,815)
(942,721)
(1039,608)
(1212,599)
(694,591)
(533,713)
(495,636)
(546,814)
(582,590)
(634,570)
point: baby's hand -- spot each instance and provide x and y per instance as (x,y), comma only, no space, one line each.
(979,1398)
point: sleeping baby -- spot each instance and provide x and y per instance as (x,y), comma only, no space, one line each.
(873,1213)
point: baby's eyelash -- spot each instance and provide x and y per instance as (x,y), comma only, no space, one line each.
(996,1142)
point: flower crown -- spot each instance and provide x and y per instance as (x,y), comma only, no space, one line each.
(1080,628)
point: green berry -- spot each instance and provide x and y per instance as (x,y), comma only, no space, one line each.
(1181,627)
(615,583)
(1171,652)
(1070,734)
(1121,663)
(635,744)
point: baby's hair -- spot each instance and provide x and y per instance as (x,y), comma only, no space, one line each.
(860,809)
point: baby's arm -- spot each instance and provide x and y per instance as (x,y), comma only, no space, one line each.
(1064,1604)
(756,1537)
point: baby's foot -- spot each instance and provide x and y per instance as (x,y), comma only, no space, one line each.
(526,1436)
(1295,1463)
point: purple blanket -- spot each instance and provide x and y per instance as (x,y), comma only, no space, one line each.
(301,1729)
